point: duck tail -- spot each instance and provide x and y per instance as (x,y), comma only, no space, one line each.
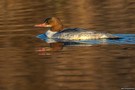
(114,38)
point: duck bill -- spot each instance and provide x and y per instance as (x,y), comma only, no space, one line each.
(42,25)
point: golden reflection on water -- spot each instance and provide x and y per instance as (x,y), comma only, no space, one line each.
(24,66)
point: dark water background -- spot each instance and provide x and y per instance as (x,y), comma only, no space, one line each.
(28,63)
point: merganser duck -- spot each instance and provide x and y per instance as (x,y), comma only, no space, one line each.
(57,31)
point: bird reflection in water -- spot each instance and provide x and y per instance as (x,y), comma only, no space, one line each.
(47,50)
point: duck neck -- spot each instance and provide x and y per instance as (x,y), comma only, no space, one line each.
(57,28)
(50,33)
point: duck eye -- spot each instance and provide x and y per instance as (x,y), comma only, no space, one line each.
(48,20)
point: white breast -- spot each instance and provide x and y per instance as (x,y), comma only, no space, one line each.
(50,33)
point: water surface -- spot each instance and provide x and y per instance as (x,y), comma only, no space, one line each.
(29,63)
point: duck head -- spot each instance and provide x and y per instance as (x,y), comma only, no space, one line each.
(53,23)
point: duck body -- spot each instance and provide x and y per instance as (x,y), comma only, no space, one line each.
(57,32)
(81,34)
